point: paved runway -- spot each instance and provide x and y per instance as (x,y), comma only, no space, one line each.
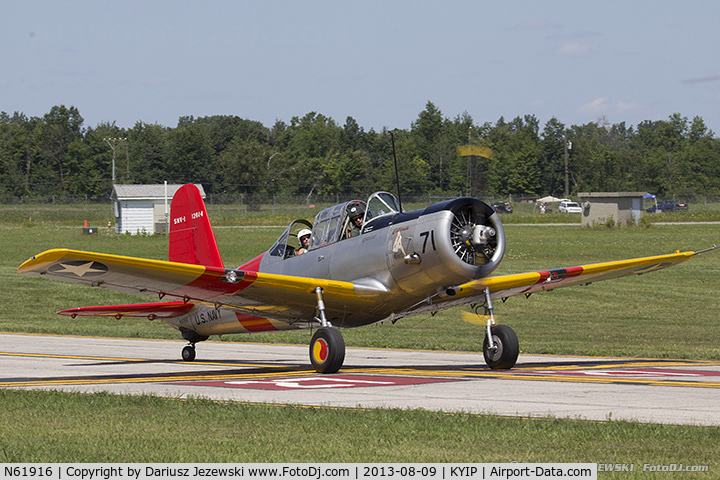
(593,388)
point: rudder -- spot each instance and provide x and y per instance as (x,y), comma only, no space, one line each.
(191,236)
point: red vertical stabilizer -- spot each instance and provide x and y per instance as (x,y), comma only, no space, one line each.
(191,236)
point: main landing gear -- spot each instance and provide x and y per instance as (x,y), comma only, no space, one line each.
(503,352)
(327,347)
(327,350)
(501,347)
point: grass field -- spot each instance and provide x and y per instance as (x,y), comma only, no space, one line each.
(54,427)
(672,313)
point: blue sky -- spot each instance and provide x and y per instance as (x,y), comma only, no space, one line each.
(377,61)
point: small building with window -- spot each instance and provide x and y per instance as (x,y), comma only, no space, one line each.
(143,209)
(598,208)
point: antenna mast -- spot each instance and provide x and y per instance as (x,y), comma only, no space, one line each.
(397,177)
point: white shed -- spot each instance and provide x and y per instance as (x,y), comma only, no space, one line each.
(624,208)
(141,208)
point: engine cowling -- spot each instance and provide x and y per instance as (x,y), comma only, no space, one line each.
(477,235)
(450,243)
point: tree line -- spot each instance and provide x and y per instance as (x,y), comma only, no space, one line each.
(57,155)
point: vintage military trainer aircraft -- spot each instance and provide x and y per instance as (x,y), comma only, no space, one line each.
(394,264)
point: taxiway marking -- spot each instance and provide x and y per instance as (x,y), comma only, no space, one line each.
(633,371)
(320,381)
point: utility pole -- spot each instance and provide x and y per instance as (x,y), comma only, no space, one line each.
(467,173)
(568,147)
(471,152)
(113,144)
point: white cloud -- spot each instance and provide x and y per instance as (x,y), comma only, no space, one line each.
(597,105)
(625,106)
(576,49)
(605,106)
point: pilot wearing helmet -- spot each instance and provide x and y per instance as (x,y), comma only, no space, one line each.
(303,240)
(355,213)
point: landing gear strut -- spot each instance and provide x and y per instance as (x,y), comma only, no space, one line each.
(327,347)
(501,347)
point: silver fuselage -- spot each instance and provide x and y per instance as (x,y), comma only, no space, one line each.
(408,257)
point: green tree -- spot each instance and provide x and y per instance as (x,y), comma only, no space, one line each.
(552,157)
(15,153)
(250,167)
(60,128)
(514,168)
(148,144)
(188,157)
(413,171)
(434,145)
(54,154)
(699,161)
(344,174)
(94,162)
(462,172)
(311,142)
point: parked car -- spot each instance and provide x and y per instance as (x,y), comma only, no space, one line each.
(502,207)
(568,206)
(667,206)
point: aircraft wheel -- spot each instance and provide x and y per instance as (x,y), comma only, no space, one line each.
(507,351)
(188,353)
(327,350)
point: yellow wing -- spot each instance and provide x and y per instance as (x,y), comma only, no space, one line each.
(278,296)
(527,283)
(285,297)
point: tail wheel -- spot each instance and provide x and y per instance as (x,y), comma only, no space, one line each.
(188,353)
(327,350)
(505,355)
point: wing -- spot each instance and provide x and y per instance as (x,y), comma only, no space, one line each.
(528,283)
(282,297)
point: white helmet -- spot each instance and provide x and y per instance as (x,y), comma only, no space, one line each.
(303,233)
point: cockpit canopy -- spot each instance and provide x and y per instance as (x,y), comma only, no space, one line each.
(333,223)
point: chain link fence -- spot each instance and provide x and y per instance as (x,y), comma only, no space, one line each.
(245,209)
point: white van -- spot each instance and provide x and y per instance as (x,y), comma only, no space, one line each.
(568,206)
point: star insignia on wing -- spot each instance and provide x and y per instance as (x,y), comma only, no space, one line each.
(79,268)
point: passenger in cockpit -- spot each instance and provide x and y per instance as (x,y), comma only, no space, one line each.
(303,240)
(356,213)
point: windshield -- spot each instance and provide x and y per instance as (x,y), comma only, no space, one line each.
(286,245)
(382,203)
(327,227)
(334,223)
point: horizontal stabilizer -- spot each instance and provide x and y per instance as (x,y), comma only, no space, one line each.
(149,310)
